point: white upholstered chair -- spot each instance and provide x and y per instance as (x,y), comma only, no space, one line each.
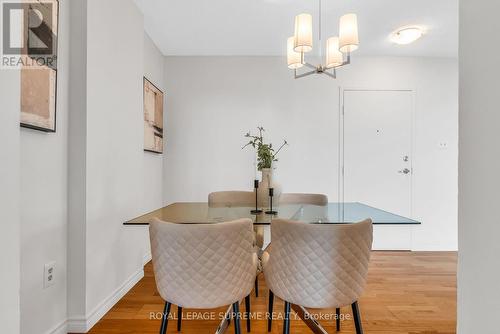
(203,265)
(297,198)
(236,198)
(318,265)
(233,198)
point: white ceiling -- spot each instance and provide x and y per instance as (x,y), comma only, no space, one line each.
(260,27)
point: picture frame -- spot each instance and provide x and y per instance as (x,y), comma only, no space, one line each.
(39,81)
(39,110)
(153,99)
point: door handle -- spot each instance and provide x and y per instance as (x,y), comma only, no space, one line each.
(404,171)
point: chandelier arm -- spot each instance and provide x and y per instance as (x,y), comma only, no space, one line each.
(298,76)
(331,75)
(348,59)
(310,65)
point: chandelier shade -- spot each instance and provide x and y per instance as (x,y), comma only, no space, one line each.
(348,33)
(334,57)
(294,59)
(303,36)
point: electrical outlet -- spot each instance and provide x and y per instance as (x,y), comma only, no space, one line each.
(443,145)
(49,274)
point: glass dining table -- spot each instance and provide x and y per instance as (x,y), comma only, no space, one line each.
(332,213)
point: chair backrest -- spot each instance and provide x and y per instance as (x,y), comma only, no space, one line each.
(318,265)
(231,198)
(313,199)
(203,265)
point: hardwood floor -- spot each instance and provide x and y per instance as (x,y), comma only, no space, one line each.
(407,292)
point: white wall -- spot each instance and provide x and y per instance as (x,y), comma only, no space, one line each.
(44,207)
(78,185)
(212,101)
(9,201)
(479,163)
(121,181)
(152,196)
(114,147)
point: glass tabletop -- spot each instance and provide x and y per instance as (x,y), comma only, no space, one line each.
(333,213)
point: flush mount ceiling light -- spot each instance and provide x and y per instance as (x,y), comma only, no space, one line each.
(406,35)
(338,49)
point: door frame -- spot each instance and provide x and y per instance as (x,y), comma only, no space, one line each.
(341,120)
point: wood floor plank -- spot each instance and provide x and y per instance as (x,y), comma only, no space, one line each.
(406,293)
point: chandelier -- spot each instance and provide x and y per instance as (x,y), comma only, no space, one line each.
(338,48)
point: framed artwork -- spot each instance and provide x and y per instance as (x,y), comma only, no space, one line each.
(39,66)
(153,118)
(38,99)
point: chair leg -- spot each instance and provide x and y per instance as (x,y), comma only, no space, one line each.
(257,286)
(286,321)
(236,312)
(164,319)
(247,311)
(337,318)
(357,318)
(270,311)
(179,318)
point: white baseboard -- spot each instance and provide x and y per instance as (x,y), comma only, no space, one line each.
(61,328)
(80,325)
(146,258)
(75,325)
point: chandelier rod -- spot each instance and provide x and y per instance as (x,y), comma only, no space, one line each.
(319,31)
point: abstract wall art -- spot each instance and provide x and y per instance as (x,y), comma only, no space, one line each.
(38,57)
(153,118)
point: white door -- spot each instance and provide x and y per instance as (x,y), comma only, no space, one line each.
(377,149)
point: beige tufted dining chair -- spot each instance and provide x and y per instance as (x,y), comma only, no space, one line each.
(236,198)
(203,265)
(233,198)
(297,198)
(318,265)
